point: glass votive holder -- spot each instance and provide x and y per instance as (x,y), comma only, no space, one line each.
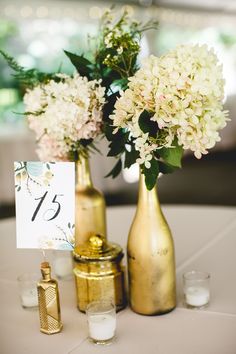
(101,317)
(196,289)
(62,264)
(27,284)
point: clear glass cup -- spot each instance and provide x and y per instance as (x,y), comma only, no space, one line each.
(196,286)
(101,317)
(27,284)
(62,264)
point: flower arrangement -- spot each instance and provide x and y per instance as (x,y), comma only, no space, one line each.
(66,116)
(65,112)
(149,114)
(172,103)
(68,113)
(113,57)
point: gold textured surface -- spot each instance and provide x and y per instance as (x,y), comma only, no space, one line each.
(97,248)
(90,217)
(99,273)
(49,304)
(151,259)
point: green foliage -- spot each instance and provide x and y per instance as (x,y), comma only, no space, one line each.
(147,125)
(115,61)
(117,145)
(151,174)
(83,66)
(166,168)
(172,155)
(115,57)
(130,157)
(116,170)
(30,77)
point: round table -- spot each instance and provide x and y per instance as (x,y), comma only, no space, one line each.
(205,239)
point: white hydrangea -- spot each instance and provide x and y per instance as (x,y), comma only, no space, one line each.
(62,113)
(183,91)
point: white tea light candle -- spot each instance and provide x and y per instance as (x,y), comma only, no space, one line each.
(29,298)
(27,284)
(197,296)
(102,327)
(196,289)
(62,265)
(101,317)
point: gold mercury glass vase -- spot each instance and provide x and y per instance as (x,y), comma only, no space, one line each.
(151,259)
(90,207)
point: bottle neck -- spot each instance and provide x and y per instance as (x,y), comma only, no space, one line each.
(46,271)
(46,277)
(146,197)
(82,174)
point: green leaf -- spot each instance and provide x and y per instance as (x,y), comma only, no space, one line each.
(30,77)
(172,155)
(165,168)
(147,125)
(120,84)
(116,169)
(109,105)
(151,174)
(131,157)
(82,65)
(117,146)
(86,142)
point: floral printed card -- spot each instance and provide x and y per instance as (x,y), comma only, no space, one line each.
(45,204)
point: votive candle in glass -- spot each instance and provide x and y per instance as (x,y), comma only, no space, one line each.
(196,289)
(101,316)
(62,264)
(27,284)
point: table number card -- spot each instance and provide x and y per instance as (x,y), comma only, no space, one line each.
(45,204)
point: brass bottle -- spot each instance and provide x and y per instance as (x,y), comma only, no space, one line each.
(49,304)
(151,260)
(90,217)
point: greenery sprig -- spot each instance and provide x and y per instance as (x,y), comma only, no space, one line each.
(114,60)
(27,77)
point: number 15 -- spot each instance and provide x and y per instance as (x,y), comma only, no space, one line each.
(41,200)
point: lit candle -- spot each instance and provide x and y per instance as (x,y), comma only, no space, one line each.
(197,296)
(102,327)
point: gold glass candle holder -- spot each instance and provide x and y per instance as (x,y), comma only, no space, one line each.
(99,274)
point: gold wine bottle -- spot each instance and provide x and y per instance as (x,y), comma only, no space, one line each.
(90,207)
(151,260)
(49,304)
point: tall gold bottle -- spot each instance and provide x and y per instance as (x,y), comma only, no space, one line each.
(90,207)
(49,304)
(151,259)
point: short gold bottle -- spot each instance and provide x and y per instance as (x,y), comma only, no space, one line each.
(151,260)
(49,304)
(90,207)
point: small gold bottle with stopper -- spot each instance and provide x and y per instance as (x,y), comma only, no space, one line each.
(49,304)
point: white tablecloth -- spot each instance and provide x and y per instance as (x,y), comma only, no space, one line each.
(205,239)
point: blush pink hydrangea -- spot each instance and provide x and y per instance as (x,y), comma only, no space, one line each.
(63,113)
